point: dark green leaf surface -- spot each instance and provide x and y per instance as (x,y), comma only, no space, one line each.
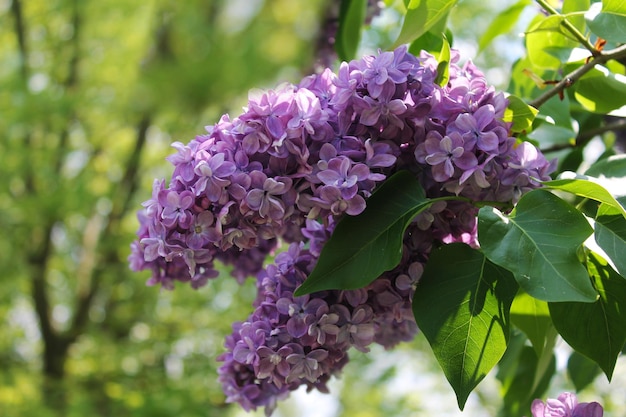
(351,18)
(462,306)
(597,330)
(420,16)
(607,21)
(610,235)
(538,242)
(363,247)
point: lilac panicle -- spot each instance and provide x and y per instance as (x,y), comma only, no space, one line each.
(289,167)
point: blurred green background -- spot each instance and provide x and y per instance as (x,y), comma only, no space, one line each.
(92,94)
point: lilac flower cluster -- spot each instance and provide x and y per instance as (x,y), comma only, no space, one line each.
(566,405)
(296,161)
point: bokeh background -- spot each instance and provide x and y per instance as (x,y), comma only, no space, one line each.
(92,94)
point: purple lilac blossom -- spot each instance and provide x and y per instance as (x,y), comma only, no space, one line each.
(566,405)
(286,170)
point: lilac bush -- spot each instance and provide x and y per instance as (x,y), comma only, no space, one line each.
(285,171)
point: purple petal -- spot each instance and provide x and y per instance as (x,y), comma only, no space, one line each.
(466,161)
(488,141)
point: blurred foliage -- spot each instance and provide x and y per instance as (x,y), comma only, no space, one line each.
(88,91)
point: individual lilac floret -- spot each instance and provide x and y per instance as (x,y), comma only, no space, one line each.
(566,405)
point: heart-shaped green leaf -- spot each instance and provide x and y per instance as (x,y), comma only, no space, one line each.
(538,242)
(363,247)
(462,306)
(597,330)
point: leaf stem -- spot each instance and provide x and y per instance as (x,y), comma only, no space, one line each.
(570,27)
(599,59)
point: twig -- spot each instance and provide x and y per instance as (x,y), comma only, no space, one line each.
(601,58)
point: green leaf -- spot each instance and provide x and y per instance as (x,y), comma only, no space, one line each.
(557,111)
(549,135)
(608,21)
(611,173)
(532,316)
(351,19)
(572,160)
(587,187)
(432,41)
(574,10)
(520,84)
(538,242)
(520,113)
(363,247)
(615,6)
(611,167)
(590,90)
(462,306)
(548,43)
(502,23)
(610,235)
(421,15)
(443,67)
(597,330)
(582,370)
